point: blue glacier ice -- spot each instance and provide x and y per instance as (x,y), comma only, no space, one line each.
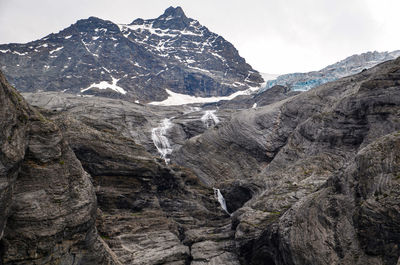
(349,66)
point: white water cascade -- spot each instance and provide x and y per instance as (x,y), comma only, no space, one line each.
(160,140)
(221,200)
(209,118)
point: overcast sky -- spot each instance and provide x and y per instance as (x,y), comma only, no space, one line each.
(274,36)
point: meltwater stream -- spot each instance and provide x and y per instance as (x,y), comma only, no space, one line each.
(160,140)
(221,200)
(209,118)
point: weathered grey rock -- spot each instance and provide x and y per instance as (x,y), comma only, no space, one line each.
(47,200)
(132,120)
(352,220)
(148,213)
(312,178)
(294,153)
(13,117)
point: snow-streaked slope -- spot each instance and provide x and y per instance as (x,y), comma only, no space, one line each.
(147,57)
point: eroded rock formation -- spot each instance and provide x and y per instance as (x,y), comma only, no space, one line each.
(311,178)
(48,202)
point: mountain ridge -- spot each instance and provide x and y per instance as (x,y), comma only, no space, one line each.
(135,61)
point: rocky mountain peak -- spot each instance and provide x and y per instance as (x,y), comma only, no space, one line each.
(173,12)
(137,61)
(173,18)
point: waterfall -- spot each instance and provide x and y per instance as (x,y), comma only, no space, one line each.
(209,118)
(160,140)
(221,200)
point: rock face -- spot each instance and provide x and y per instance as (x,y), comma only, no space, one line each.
(149,213)
(319,171)
(132,120)
(48,204)
(349,66)
(137,61)
(311,178)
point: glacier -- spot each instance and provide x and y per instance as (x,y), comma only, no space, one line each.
(349,66)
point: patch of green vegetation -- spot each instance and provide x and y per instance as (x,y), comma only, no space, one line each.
(16,95)
(23,117)
(105,237)
(9,138)
(61,162)
(136,213)
(275,212)
(58,201)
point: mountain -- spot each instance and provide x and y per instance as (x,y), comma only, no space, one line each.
(137,61)
(349,66)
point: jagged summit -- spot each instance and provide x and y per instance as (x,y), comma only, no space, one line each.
(173,18)
(173,12)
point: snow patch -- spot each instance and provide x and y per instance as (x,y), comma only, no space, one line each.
(149,28)
(55,50)
(198,69)
(175,99)
(218,56)
(43,45)
(86,47)
(106,85)
(15,52)
(67,37)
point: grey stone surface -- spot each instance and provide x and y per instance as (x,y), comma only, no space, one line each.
(48,202)
(311,178)
(294,156)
